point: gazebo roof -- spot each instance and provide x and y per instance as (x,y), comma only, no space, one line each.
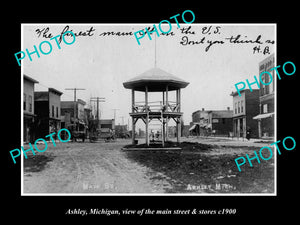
(156,80)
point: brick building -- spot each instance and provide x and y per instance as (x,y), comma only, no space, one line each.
(220,122)
(266,117)
(212,122)
(74,116)
(245,107)
(67,107)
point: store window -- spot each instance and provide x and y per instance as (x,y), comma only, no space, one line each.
(215,120)
(24,101)
(265,108)
(52,110)
(30,103)
(242,106)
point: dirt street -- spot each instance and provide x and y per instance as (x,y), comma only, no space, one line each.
(87,168)
(208,167)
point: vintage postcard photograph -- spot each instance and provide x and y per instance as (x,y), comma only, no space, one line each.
(137,109)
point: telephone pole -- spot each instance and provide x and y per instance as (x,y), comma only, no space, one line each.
(122,119)
(97,99)
(115,110)
(75,89)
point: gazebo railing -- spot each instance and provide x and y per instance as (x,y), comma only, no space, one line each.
(156,106)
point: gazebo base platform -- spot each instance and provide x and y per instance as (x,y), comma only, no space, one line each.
(157,145)
(152,149)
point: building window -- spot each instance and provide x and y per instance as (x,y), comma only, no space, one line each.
(238,107)
(265,88)
(52,110)
(235,108)
(262,90)
(56,111)
(272,85)
(24,101)
(265,108)
(242,107)
(30,103)
(267,80)
(215,120)
(223,120)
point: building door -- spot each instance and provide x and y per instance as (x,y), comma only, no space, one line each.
(241,128)
(236,128)
(25,131)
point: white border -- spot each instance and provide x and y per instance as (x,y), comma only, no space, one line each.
(152,194)
(22,113)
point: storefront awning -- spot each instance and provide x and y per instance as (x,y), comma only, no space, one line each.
(192,127)
(263,116)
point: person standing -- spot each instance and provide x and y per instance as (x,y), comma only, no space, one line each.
(248,133)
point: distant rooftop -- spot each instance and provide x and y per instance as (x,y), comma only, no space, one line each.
(217,113)
(69,104)
(222,113)
(55,91)
(44,95)
(156,79)
(244,90)
(29,79)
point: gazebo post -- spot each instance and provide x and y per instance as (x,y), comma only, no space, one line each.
(133,123)
(178,124)
(163,120)
(147,115)
(167,109)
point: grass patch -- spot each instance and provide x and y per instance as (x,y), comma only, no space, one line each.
(36,163)
(207,173)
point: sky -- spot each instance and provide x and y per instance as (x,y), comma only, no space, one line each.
(101,63)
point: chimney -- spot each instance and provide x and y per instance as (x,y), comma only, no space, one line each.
(228,108)
(202,109)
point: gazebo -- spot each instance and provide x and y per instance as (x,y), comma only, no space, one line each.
(156,80)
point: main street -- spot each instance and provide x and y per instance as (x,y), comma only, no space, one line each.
(88,168)
(104,168)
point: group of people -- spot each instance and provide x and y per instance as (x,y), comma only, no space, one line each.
(154,136)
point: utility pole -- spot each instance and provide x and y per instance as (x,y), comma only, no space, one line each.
(115,110)
(97,99)
(75,89)
(122,119)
